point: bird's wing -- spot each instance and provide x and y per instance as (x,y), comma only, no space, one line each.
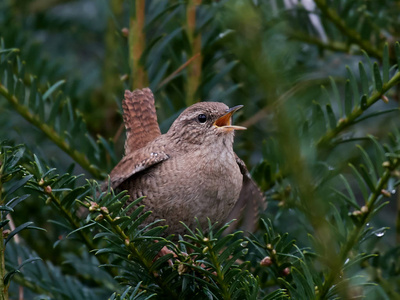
(140,119)
(250,202)
(136,162)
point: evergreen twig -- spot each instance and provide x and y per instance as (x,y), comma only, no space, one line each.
(354,235)
(77,156)
(329,45)
(352,34)
(357,111)
(135,252)
(21,280)
(75,225)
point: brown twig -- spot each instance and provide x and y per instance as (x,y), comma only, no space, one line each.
(194,70)
(17,240)
(261,114)
(398,217)
(118,133)
(177,71)
(137,42)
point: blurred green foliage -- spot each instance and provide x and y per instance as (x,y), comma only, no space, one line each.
(320,84)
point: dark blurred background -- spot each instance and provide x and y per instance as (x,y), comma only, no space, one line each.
(277,58)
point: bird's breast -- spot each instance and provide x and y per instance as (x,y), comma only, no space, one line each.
(202,184)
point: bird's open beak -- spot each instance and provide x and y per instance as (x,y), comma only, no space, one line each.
(225,122)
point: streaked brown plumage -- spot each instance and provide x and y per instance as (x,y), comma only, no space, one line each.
(191,171)
(140,119)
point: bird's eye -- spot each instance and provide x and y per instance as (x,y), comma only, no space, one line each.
(202,118)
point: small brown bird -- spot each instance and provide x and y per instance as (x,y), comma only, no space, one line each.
(191,171)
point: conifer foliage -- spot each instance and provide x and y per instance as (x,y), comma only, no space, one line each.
(319,80)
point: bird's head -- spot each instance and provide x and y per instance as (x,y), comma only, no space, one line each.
(205,123)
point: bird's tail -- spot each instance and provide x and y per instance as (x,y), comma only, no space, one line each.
(140,119)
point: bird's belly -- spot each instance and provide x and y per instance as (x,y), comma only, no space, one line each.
(181,191)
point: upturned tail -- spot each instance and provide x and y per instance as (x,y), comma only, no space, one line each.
(140,119)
